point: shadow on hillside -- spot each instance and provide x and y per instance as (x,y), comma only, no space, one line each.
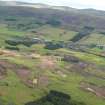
(55,98)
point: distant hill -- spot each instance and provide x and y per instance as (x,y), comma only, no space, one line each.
(68,17)
(17,3)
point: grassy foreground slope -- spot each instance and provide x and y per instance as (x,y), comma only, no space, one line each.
(16,86)
(14,90)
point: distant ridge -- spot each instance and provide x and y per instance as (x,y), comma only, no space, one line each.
(68,16)
(36,5)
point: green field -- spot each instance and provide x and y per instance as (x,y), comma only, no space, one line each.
(57,34)
(94,38)
(12,86)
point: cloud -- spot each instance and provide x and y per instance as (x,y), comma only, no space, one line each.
(97,4)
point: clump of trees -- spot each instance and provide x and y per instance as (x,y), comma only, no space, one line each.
(84,32)
(10,19)
(55,98)
(12,48)
(53,45)
(22,24)
(27,41)
(23,40)
(58,98)
(102,33)
(53,22)
(69,58)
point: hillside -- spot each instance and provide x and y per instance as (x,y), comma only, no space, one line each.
(68,17)
(51,55)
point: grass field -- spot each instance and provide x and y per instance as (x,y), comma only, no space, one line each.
(57,34)
(94,38)
(13,88)
(17,92)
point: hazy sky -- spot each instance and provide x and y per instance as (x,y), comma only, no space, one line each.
(97,4)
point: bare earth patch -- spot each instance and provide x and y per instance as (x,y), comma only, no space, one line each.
(8,53)
(43,81)
(22,72)
(24,75)
(47,62)
(3,69)
(98,91)
(61,73)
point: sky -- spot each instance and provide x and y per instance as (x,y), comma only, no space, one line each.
(96,4)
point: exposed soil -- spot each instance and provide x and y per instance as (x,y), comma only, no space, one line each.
(48,62)
(5,64)
(83,69)
(8,53)
(22,72)
(24,75)
(61,73)
(69,58)
(3,69)
(43,80)
(98,91)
